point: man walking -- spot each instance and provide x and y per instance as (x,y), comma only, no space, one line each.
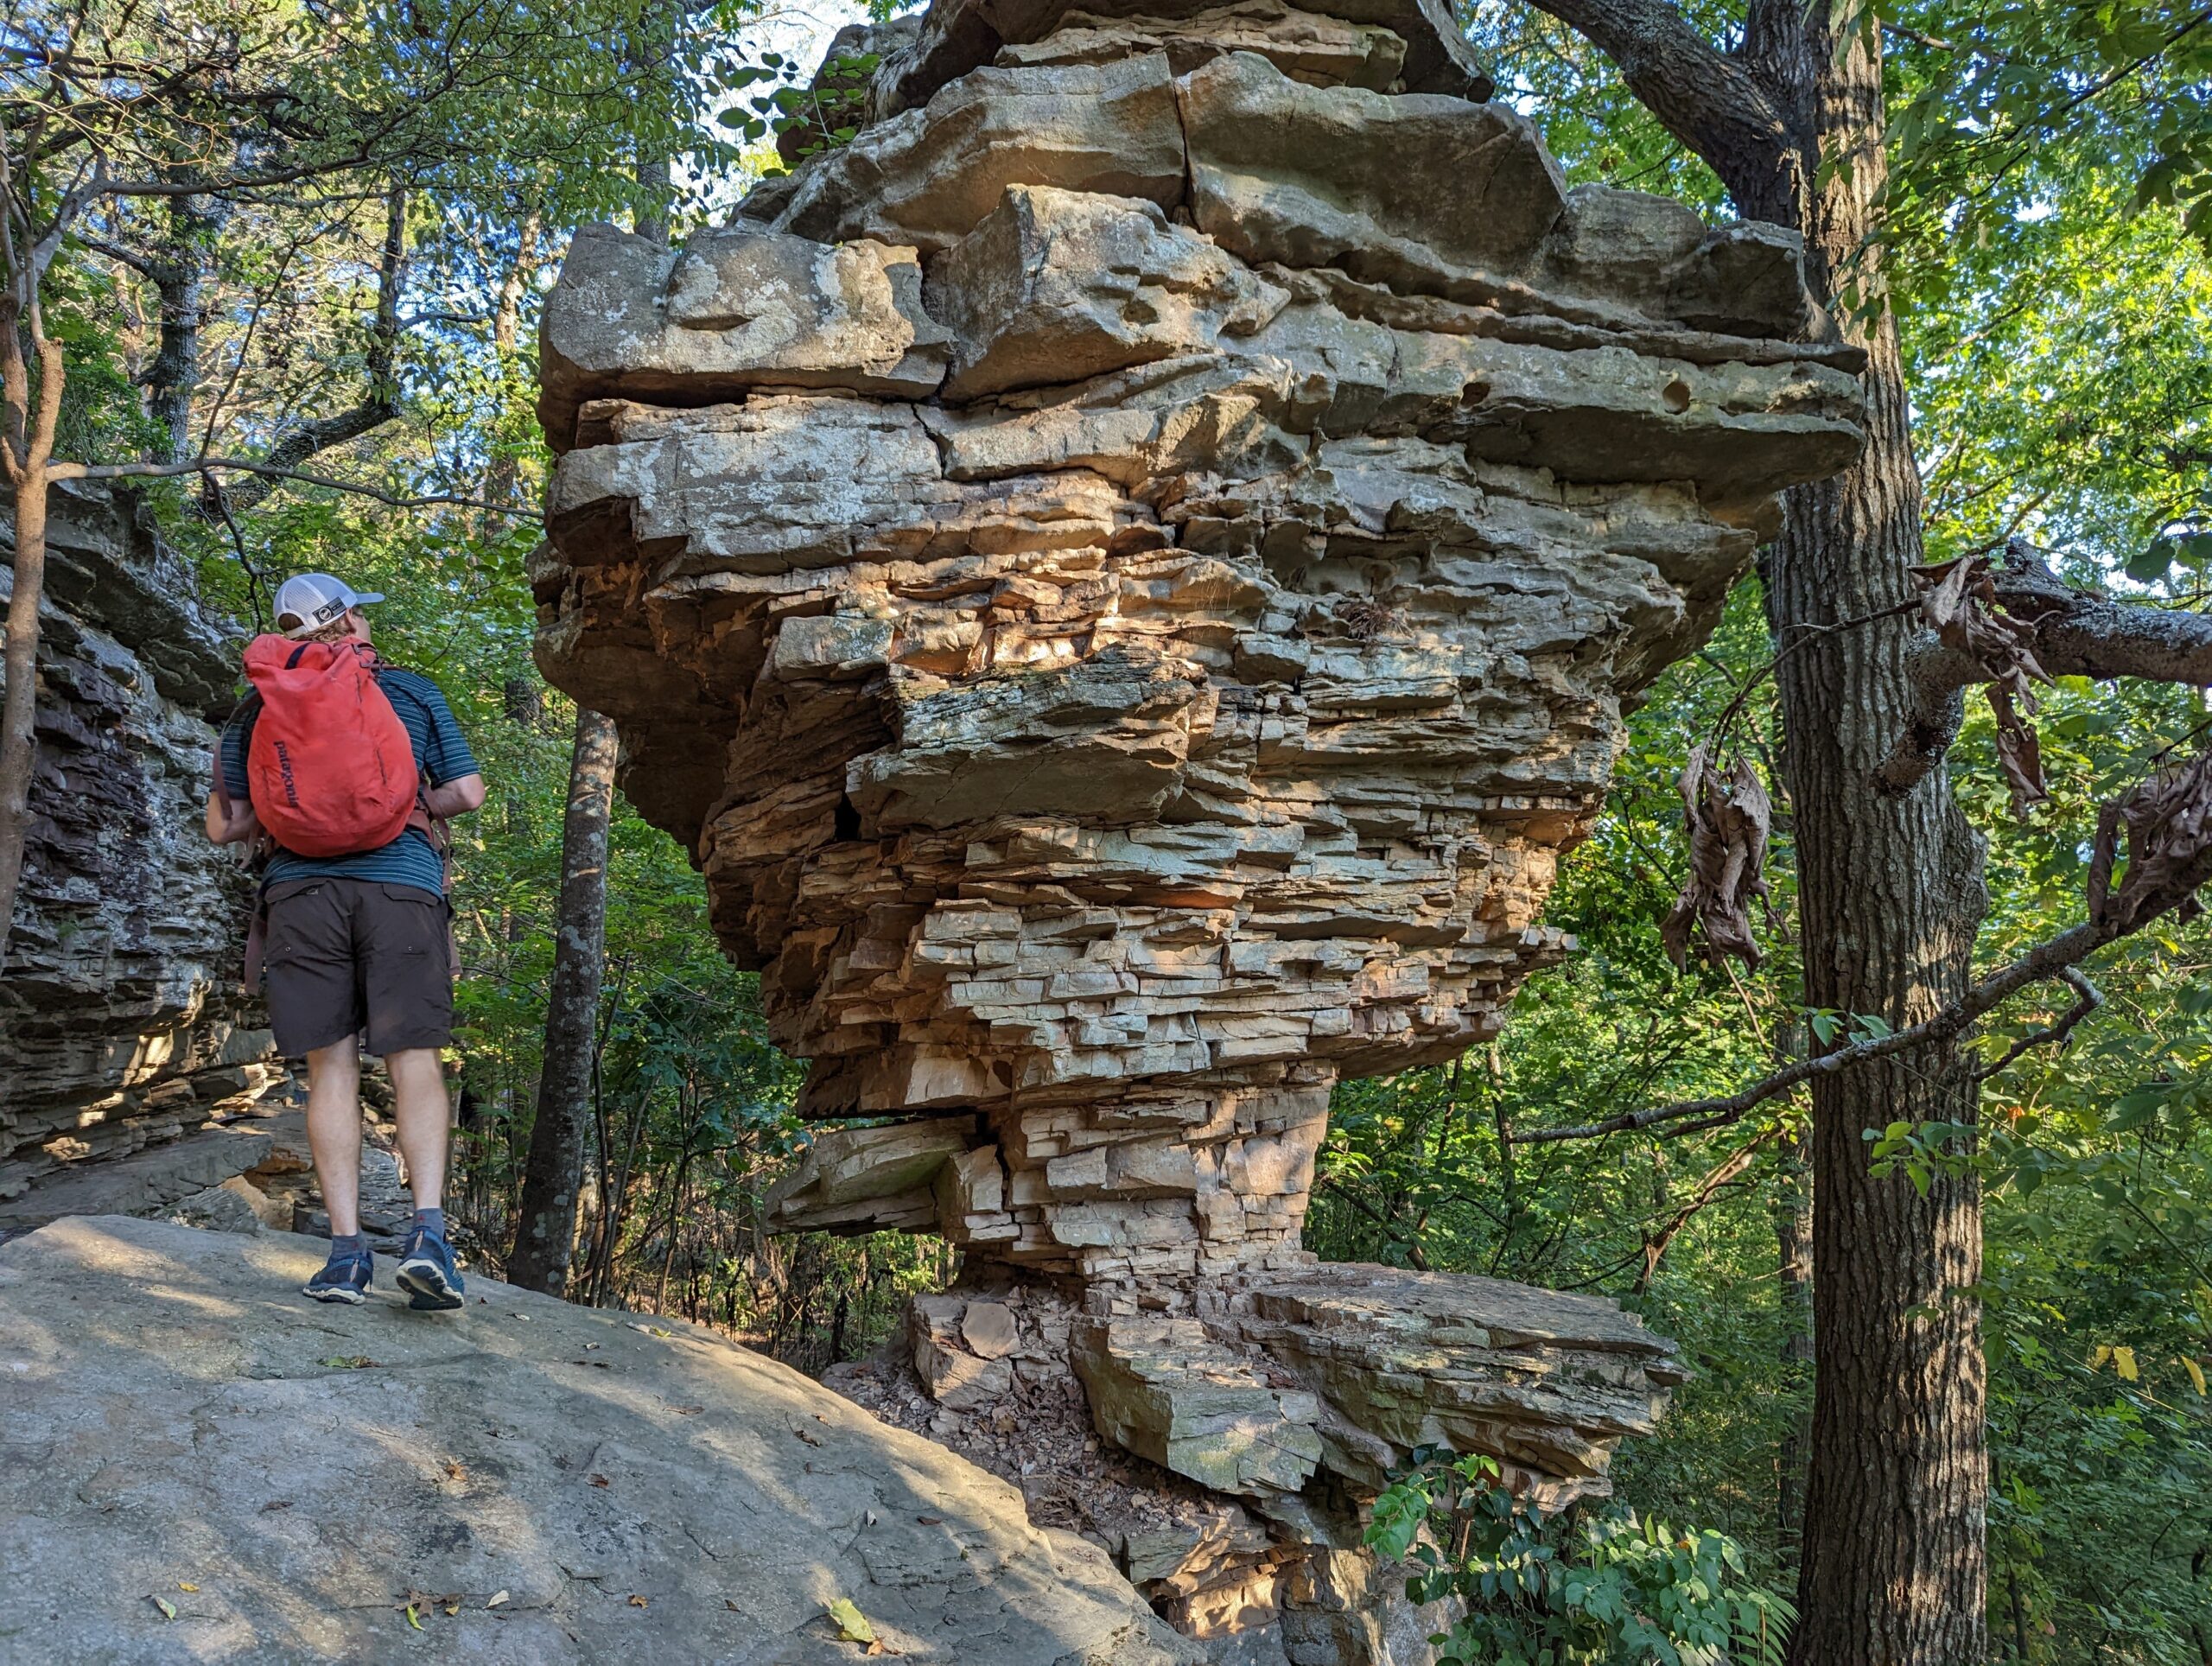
(315,764)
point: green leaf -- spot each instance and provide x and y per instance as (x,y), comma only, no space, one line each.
(852,1624)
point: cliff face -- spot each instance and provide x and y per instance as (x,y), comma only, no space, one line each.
(1126,575)
(122,1027)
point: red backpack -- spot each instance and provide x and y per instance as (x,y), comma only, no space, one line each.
(330,770)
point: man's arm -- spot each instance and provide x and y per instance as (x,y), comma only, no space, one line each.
(230,819)
(455,797)
(236,825)
(451,785)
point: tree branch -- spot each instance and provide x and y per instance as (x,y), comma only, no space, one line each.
(269,472)
(381,404)
(1709,100)
(2048,959)
(2089,998)
(2070,633)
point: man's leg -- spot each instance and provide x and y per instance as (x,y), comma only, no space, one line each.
(418,1083)
(409,981)
(334,1131)
(315,1006)
(427,1270)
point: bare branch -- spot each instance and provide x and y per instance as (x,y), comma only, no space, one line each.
(1655,1244)
(380,404)
(2088,999)
(267,470)
(2045,960)
(2168,820)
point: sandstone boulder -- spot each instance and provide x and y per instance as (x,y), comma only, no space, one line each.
(929,177)
(290,1478)
(123,1028)
(959,34)
(1182,709)
(1306,46)
(730,311)
(1424,192)
(1059,286)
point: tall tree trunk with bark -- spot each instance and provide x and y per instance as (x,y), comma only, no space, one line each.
(178,272)
(30,411)
(1793,1245)
(1894,1563)
(545,1234)
(553,1181)
(1894,1567)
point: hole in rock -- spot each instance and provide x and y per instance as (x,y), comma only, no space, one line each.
(1677,393)
(1474,393)
(845,821)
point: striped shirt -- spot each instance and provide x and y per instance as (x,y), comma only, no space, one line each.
(442,754)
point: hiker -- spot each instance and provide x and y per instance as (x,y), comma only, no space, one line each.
(316,765)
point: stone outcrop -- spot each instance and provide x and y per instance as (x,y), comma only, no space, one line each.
(1181,705)
(122,1024)
(537,1482)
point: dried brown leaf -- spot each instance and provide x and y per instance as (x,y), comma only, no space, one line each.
(2019,753)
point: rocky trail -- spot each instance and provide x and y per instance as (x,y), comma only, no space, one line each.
(205,1466)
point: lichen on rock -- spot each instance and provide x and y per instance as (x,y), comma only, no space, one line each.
(1181,704)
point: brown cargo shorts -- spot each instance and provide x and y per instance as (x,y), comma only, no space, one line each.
(347,957)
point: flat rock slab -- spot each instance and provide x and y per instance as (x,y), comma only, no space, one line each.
(176,1421)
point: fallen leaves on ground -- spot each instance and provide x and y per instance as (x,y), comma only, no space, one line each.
(167,1608)
(807,1435)
(453,1470)
(498,1597)
(276,1504)
(601,1480)
(348,1362)
(637,1601)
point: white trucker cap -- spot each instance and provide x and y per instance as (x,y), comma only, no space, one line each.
(306,604)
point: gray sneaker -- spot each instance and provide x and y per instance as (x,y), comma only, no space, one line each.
(343,1278)
(427,1273)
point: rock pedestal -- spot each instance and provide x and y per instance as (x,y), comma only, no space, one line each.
(1126,576)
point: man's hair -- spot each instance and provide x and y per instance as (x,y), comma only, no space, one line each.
(337,631)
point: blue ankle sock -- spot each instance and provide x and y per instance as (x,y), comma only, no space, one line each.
(351,1246)
(432,1221)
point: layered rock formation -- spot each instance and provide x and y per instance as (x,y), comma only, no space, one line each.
(122,1027)
(1126,576)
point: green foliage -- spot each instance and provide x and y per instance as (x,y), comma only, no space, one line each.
(1582,1588)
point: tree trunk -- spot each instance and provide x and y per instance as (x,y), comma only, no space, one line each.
(179,275)
(28,417)
(1893,1570)
(545,1233)
(1894,1564)
(1793,1244)
(18,745)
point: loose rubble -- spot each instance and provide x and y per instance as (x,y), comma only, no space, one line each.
(1128,655)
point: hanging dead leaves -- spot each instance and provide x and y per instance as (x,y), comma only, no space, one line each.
(2168,820)
(1728,821)
(1959,603)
